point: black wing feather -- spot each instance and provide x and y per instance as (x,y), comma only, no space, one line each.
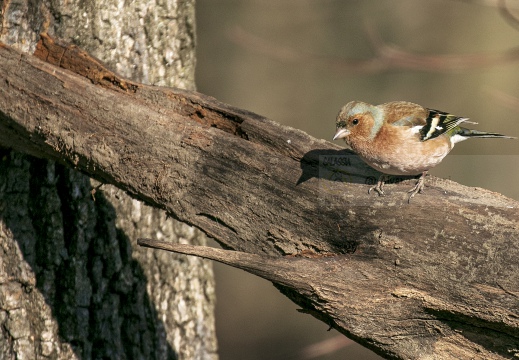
(438,123)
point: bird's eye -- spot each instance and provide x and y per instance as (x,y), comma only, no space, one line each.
(355,121)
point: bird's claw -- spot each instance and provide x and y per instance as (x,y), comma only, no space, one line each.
(379,187)
(418,188)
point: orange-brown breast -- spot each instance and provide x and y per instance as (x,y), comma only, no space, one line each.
(397,150)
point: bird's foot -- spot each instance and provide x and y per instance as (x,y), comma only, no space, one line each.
(418,188)
(379,188)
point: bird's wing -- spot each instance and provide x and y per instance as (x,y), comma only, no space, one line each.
(402,113)
(438,123)
(428,123)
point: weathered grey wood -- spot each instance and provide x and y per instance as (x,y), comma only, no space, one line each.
(437,278)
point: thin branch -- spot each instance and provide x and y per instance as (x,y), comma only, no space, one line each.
(324,347)
(514,4)
(507,14)
(388,57)
(503,98)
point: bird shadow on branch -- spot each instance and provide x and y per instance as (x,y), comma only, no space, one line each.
(340,166)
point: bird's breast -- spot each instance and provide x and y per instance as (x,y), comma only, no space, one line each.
(403,153)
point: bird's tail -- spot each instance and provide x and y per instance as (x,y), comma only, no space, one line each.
(481,134)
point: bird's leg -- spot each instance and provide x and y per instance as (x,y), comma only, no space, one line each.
(380,185)
(418,188)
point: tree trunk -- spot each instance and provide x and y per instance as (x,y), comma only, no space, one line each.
(434,279)
(73,284)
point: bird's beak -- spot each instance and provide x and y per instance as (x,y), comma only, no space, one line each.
(341,133)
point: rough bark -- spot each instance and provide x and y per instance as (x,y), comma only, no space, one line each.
(73,282)
(434,279)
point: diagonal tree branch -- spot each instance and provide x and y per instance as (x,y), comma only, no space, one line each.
(434,279)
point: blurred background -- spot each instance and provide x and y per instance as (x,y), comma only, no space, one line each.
(298,61)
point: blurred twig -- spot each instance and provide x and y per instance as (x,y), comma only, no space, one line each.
(325,347)
(286,54)
(503,98)
(511,4)
(506,13)
(387,57)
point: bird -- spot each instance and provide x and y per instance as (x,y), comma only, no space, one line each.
(402,138)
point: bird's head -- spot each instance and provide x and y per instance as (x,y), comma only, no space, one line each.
(356,120)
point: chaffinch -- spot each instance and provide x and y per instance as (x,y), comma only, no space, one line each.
(402,138)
